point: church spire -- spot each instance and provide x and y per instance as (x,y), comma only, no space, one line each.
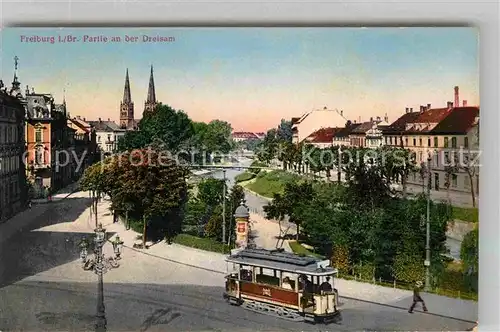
(150,104)
(127,97)
(151,90)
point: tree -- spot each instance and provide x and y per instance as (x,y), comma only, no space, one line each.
(151,186)
(284,133)
(295,197)
(210,191)
(469,254)
(133,140)
(268,146)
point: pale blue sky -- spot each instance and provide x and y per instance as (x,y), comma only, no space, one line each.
(252,77)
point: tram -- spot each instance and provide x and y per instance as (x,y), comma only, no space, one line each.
(282,284)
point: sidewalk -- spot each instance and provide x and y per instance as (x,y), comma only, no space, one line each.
(24,218)
(215,262)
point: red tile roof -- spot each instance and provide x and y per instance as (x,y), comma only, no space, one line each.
(362,128)
(323,135)
(459,121)
(399,126)
(345,132)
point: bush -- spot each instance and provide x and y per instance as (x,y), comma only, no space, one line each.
(465,214)
(244,177)
(201,243)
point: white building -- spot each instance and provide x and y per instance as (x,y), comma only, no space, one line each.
(312,121)
(108,133)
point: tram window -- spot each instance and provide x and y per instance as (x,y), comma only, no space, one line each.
(288,277)
(246,275)
(267,276)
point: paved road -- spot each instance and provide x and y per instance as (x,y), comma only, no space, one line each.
(172,306)
(43,288)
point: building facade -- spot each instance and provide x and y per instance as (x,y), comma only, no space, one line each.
(310,122)
(108,133)
(440,134)
(85,145)
(49,144)
(322,138)
(13,186)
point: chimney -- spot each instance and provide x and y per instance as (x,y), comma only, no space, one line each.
(465,103)
(378,118)
(422,108)
(84,119)
(341,113)
(457,102)
(428,106)
(100,120)
(386,118)
(371,118)
(450,104)
(109,119)
(324,108)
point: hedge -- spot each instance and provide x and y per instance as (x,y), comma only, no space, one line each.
(207,244)
(244,177)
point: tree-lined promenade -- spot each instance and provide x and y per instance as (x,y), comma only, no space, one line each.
(361,224)
(147,181)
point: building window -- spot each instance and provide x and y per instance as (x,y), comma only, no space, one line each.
(436,160)
(454,181)
(420,141)
(109,137)
(466,182)
(446,142)
(390,140)
(428,142)
(98,138)
(414,142)
(454,142)
(435,142)
(38,136)
(447,157)
(466,142)
(406,141)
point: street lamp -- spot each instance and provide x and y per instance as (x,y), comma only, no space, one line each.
(427,262)
(224,208)
(100,265)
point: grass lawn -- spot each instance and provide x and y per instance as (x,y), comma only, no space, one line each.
(207,244)
(466,214)
(298,249)
(243,177)
(269,183)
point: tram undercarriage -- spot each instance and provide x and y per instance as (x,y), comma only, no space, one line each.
(284,312)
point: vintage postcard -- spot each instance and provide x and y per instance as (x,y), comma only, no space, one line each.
(239,179)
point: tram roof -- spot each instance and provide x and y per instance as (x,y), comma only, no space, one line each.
(279,260)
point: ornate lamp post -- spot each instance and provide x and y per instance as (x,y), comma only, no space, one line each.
(427,262)
(100,265)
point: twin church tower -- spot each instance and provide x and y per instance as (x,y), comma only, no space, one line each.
(127,120)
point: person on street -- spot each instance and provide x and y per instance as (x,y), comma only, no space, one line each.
(417,298)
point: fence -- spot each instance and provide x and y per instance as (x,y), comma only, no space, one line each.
(409,286)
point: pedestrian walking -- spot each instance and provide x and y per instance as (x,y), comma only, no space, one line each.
(417,298)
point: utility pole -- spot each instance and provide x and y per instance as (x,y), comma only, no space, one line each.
(224,208)
(427,262)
